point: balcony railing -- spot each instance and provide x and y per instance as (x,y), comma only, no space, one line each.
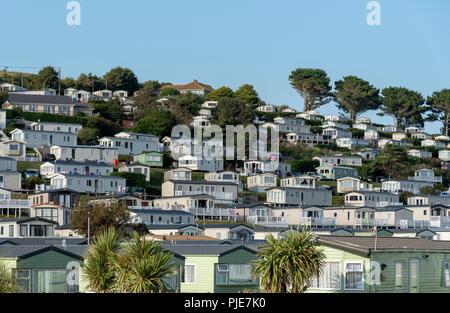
(435,179)
(217,195)
(14,204)
(268,220)
(371,222)
(218,212)
(403,224)
(439,221)
(318,221)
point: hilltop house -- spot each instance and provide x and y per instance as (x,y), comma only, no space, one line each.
(336,133)
(88,183)
(281,196)
(266,166)
(13,149)
(136,168)
(348,184)
(48,169)
(194,87)
(223,192)
(371,199)
(27,227)
(351,143)
(300,181)
(425,174)
(57,127)
(432,143)
(215,267)
(398,185)
(40,104)
(132,143)
(79,153)
(153,159)
(339,159)
(444,155)
(267,108)
(178,174)
(160,217)
(261,182)
(53,212)
(429,200)
(286,125)
(200,164)
(104,94)
(405,265)
(38,138)
(335,172)
(420,153)
(63,197)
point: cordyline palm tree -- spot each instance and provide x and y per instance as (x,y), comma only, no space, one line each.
(99,262)
(7,280)
(142,266)
(138,266)
(289,264)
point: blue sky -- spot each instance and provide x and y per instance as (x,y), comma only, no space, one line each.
(232,42)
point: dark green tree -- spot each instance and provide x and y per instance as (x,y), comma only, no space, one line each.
(156,122)
(101,217)
(231,111)
(247,94)
(219,93)
(151,85)
(356,96)
(439,107)
(169,92)
(392,161)
(313,85)
(3,97)
(88,136)
(122,79)
(404,105)
(133,179)
(48,77)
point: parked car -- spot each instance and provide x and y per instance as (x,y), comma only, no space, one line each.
(50,157)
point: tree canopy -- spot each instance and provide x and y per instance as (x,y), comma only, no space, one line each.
(406,106)
(102,216)
(169,91)
(3,97)
(313,85)
(222,92)
(48,77)
(439,106)
(356,96)
(289,264)
(88,136)
(156,122)
(231,111)
(122,79)
(247,94)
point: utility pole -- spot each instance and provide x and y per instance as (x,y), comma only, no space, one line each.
(59,82)
(89,226)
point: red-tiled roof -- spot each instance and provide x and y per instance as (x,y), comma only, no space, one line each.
(195,85)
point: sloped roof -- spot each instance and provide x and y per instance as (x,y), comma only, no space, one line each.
(37,99)
(25,251)
(365,245)
(194,85)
